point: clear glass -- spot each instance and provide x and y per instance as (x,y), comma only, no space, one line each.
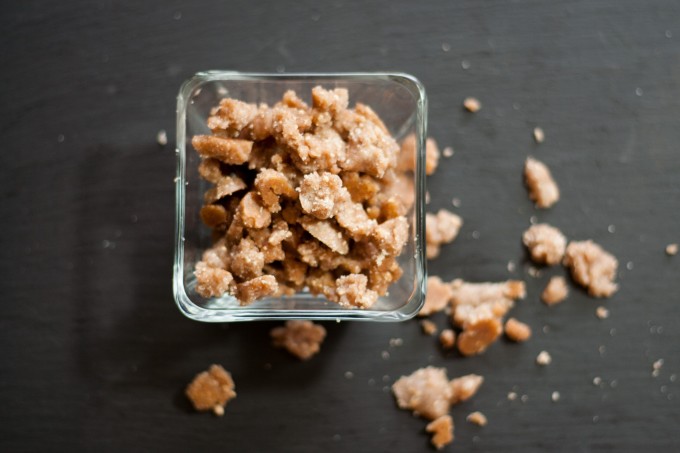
(400,101)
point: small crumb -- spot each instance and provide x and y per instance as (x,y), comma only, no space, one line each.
(477,418)
(533,220)
(543,189)
(668,34)
(448,152)
(512,396)
(629,265)
(446,46)
(395,342)
(456,202)
(447,338)
(162,137)
(672,249)
(539,135)
(546,329)
(534,272)
(611,229)
(429,328)
(385,355)
(386,378)
(596,418)
(442,431)
(602,313)
(555,291)
(543,358)
(656,367)
(511,266)
(472,104)
(300,338)
(524,398)
(602,349)
(427,197)
(555,396)
(614,383)
(60,138)
(476,234)
(466,64)
(638,91)
(349,375)
(597,380)
(516,330)
(211,390)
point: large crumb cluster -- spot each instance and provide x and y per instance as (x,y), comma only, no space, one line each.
(302,196)
(301,338)
(429,394)
(592,267)
(543,189)
(211,390)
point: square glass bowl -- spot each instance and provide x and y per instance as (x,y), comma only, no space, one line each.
(400,101)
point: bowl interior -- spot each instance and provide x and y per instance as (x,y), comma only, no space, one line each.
(398,101)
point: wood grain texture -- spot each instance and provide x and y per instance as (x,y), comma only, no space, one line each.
(95,355)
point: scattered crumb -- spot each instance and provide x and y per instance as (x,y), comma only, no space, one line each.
(456,202)
(394,342)
(592,267)
(427,392)
(656,367)
(543,358)
(555,291)
(440,228)
(429,328)
(442,431)
(516,330)
(477,418)
(448,152)
(602,312)
(437,297)
(539,135)
(511,266)
(211,390)
(611,229)
(472,104)
(465,387)
(524,398)
(672,249)
(546,244)
(447,338)
(512,396)
(162,137)
(555,396)
(301,338)
(597,380)
(543,189)
(385,355)
(349,375)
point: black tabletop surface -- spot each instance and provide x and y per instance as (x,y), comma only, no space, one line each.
(95,355)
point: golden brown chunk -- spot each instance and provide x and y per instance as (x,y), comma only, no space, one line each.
(441,228)
(252,212)
(592,267)
(226,185)
(256,288)
(213,215)
(403,188)
(211,390)
(465,387)
(209,169)
(543,189)
(353,218)
(321,282)
(429,328)
(330,100)
(327,233)
(301,338)
(271,185)
(437,297)
(231,116)
(472,104)
(516,330)
(546,244)
(247,260)
(211,281)
(672,249)
(474,301)
(442,431)
(391,235)
(360,187)
(477,418)
(407,156)
(478,336)
(320,193)
(325,151)
(555,291)
(447,338)
(352,291)
(427,392)
(228,150)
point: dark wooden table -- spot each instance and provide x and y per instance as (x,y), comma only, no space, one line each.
(94,354)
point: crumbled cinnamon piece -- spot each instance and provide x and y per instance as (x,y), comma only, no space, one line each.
(477,418)
(228,150)
(429,328)
(672,249)
(360,187)
(543,189)
(427,392)
(271,185)
(441,228)
(516,330)
(231,116)
(602,313)
(224,186)
(592,267)
(247,260)
(437,296)
(211,281)
(256,288)
(209,169)
(539,135)
(543,358)
(472,104)
(442,431)
(320,193)
(555,291)
(352,291)
(447,338)
(478,336)
(498,297)
(546,244)
(214,215)
(327,233)
(465,387)
(301,338)
(353,218)
(391,235)
(211,390)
